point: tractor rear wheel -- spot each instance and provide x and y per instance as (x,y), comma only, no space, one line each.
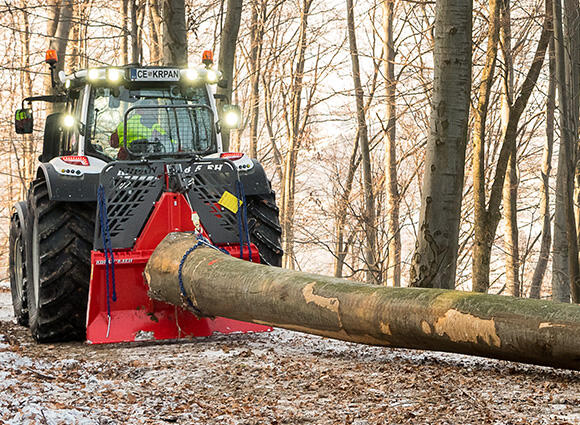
(264,227)
(17,266)
(60,258)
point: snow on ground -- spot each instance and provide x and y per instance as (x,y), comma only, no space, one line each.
(281,377)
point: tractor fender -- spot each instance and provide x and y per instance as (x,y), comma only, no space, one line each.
(64,188)
(20,210)
(255,180)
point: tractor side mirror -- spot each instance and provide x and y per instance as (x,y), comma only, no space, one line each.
(23,121)
(231,117)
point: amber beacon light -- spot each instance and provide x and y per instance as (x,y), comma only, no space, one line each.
(51,57)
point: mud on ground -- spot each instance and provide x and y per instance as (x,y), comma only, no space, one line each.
(281,377)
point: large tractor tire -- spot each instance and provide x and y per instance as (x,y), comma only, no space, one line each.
(264,227)
(18,241)
(60,258)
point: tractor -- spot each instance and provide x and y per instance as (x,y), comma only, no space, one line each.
(131,154)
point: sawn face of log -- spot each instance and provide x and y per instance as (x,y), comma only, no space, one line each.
(532,331)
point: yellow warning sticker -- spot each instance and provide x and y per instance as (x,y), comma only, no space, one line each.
(229,201)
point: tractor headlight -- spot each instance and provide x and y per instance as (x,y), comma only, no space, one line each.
(93,74)
(114,75)
(212,76)
(68,121)
(191,74)
(67,84)
(232,116)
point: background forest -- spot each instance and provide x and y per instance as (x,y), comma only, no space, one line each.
(337,100)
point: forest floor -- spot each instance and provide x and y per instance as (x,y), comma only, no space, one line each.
(281,377)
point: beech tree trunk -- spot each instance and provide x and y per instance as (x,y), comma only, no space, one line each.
(523,330)
(155,25)
(483,239)
(228,43)
(435,259)
(392,188)
(544,256)
(174,33)
(369,215)
(565,222)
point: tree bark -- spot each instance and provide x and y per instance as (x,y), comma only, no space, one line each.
(340,245)
(565,189)
(523,330)
(435,258)
(135,9)
(369,217)
(257,36)
(296,121)
(228,44)
(155,27)
(512,258)
(510,190)
(391,184)
(488,219)
(541,265)
(124,32)
(482,237)
(174,33)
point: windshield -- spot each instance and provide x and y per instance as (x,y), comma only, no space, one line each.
(125,123)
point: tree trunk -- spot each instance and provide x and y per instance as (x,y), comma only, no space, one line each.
(155,27)
(435,259)
(512,259)
(174,33)
(294,141)
(541,265)
(369,216)
(565,191)
(487,220)
(73,59)
(340,245)
(510,190)
(257,36)
(135,39)
(228,43)
(523,330)
(391,184)
(124,32)
(483,239)
(572,44)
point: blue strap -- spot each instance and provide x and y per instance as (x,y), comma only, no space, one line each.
(201,241)
(107,247)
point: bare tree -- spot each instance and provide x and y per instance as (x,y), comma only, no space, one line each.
(391,184)
(541,265)
(369,220)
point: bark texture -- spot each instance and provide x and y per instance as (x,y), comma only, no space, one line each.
(483,238)
(228,43)
(392,186)
(174,33)
(435,259)
(546,242)
(369,215)
(523,330)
